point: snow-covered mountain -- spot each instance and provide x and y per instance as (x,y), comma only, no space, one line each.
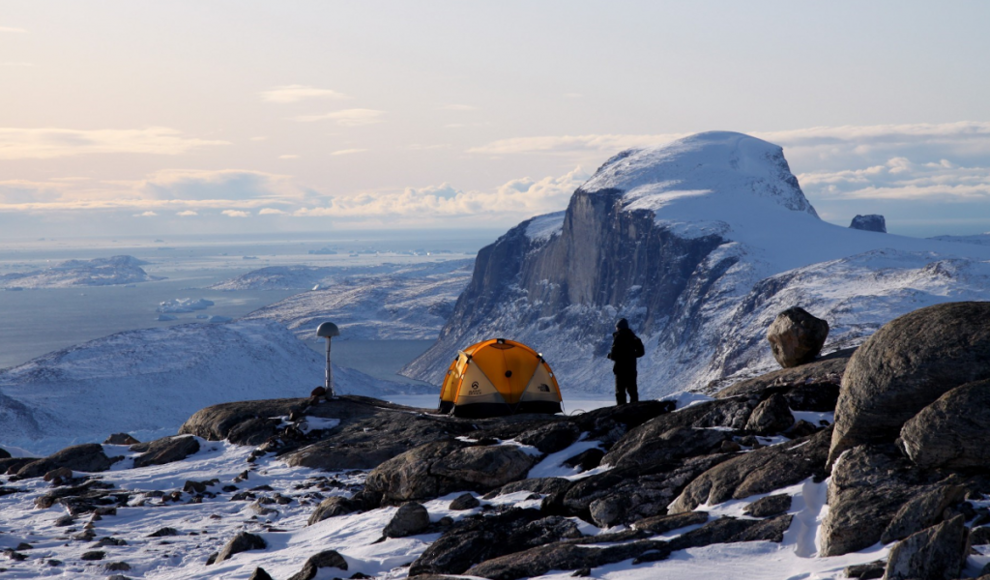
(96,272)
(699,243)
(409,302)
(150,381)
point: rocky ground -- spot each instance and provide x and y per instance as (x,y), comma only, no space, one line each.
(736,484)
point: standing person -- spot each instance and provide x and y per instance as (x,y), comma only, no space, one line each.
(626,348)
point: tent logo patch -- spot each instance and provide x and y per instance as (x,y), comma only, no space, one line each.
(475,387)
(544,388)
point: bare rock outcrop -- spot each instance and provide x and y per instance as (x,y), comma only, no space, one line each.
(869,485)
(872,222)
(88,457)
(935,553)
(905,366)
(443,467)
(165,450)
(953,432)
(760,471)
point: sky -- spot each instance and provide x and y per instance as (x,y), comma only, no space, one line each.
(190,117)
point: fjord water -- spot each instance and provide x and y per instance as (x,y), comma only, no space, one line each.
(34,322)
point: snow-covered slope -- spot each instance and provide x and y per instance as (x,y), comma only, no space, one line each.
(410,303)
(151,381)
(204,527)
(96,272)
(691,242)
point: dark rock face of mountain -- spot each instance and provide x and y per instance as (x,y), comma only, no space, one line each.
(873,222)
(603,261)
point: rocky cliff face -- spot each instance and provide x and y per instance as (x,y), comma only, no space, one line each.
(689,242)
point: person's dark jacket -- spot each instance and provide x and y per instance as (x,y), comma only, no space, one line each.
(626,348)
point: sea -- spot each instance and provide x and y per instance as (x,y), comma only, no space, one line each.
(34,322)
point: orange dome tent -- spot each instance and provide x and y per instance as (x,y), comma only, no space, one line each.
(499,377)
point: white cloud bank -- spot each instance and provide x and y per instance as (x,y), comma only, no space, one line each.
(512,202)
(49,143)
(296,93)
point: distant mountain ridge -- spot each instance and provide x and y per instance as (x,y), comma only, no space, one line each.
(699,244)
(97,272)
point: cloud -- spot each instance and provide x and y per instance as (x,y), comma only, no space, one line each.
(271,211)
(296,93)
(13,30)
(901,179)
(226,185)
(50,143)
(16,64)
(963,137)
(570,144)
(457,107)
(187,213)
(511,202)
(259,138)
(346,117)
(171,190)
(146,214)
(288,157)
(348,151)
(235,213)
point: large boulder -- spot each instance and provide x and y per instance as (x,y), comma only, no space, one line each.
(242,542)
(905,366)
(88,457)
(410,519)
(953,432)
(476,539)
(165,450)
(796,337)
(443,467)
(937,553)
(771,416)
(325,559)
(760,471)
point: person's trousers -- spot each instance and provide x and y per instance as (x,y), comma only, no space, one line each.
(626,383)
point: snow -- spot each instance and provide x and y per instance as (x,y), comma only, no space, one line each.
(544,227)
(148,382)
(408,302)
(123,270)
(205,527)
